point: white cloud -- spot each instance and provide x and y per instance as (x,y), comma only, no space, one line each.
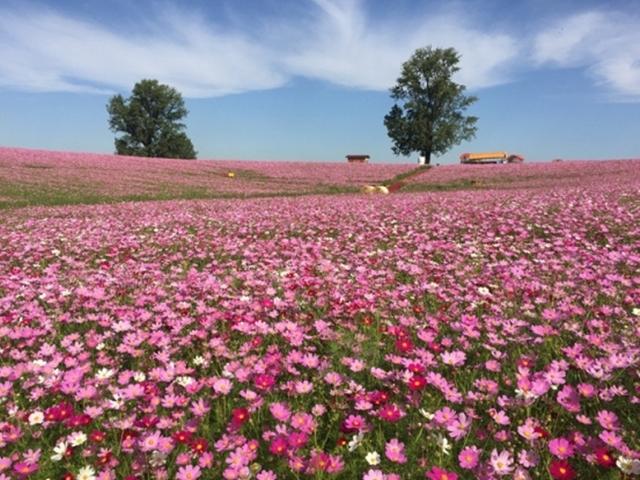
(334,40)
(607,44)
(343,46)
(46,51)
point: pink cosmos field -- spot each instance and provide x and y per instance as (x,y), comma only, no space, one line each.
(491,333)
(98,177)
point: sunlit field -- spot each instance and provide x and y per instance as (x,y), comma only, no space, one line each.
(486,327)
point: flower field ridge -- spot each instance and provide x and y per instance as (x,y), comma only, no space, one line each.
(481,334)
(532,175)
(41,177)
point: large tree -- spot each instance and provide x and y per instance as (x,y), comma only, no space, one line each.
(150,122)
(428,115)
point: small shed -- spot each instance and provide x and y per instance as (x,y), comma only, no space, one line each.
(353,158)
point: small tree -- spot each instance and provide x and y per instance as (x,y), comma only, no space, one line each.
(429,118)
(149,121)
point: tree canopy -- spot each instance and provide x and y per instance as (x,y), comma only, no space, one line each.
(149,122)
(428,115)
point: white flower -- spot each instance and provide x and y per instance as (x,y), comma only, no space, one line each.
(199,360)
(59,451)
(86,473)
(526,395)
(65,292)
(429,416)
(184,381)
(116,403)
(158,459)
(36,418)
(444,445)
(39,362)
(484,291)
(104,374)
(636,312)
(355,441)
(139,377)
(628,465)
(100,346)
(77,438)
(372,458)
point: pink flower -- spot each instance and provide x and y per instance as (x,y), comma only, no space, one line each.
(500,417)
(266,475)
(222,386)
(561,448)
(374,475)
(303,422)
(528,458)
(444,416)
(608,420)
(455,358)
(189,472)
(394,451)
(502,462)
(611,438)
(319,462)
(469,457)
(528,430)
(297,440)
(280,411)
(569,399)
(355,423)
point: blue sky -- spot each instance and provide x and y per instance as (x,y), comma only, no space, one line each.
(309,79)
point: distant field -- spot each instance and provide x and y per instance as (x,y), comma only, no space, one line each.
(525,175)
(40,177)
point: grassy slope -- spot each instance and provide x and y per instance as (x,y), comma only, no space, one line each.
(37,188)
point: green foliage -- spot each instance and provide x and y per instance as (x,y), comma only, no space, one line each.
(428,116)
(150,122)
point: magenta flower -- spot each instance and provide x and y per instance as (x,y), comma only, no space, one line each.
(264,381)
(279,445)
(297,440)
(24,469)
(390,413)
(437,473)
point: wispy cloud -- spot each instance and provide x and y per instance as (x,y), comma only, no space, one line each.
(48,51)
(335,40)
(607,44)
(338,41)
(344,46)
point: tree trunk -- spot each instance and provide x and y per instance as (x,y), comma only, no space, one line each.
(427,157)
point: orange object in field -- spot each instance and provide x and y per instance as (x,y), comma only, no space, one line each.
(490,157)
